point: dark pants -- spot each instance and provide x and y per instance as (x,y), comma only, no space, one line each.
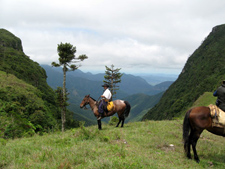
(102,106)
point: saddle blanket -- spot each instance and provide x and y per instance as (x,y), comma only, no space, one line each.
(110,106)
(217,114)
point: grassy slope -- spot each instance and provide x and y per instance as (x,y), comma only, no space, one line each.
(204,100)
(15,86)
(140,105)
(137,145)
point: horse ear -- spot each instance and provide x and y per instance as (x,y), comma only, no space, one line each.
(88,95)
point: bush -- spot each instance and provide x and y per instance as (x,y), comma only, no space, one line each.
(113,120)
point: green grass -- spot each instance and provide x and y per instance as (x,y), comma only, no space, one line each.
(137,145)
(206,99)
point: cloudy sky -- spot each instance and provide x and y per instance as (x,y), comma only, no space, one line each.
(139,36)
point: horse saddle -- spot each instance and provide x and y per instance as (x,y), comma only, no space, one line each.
(217,115)
(110,106)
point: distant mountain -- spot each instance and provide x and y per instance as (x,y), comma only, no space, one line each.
(91,83)
(130,84)
(163,86)
(132,88)
(155,79)
(203,72)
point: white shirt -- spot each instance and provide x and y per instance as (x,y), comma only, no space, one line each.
(107,94)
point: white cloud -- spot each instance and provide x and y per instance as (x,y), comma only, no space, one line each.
(135,35)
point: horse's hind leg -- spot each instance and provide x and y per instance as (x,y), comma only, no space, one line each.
(187,147)
(195,136)
(195,152)
(194,143)
(99,124)
(123,119)
(118,122)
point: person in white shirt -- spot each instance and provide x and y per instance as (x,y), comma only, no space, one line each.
(106,97)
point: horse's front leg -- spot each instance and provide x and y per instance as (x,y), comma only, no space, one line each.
(99,124)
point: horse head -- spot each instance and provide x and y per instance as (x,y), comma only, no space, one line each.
(85,101)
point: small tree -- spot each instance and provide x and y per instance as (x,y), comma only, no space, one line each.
(67,56)
(112,77)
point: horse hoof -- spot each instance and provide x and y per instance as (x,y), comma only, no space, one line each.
(197,160)
(189,156)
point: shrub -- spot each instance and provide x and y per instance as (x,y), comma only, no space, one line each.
(113,120)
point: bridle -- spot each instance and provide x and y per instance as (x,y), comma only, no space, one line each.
(87,102)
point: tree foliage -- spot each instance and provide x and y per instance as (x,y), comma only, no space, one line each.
(112,77)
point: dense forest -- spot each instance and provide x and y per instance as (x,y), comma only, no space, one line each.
(203,72)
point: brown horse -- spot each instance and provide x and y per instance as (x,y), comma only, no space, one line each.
(195,121)
(122,108)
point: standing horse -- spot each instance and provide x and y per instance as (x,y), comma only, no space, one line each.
(195,121)
(122,108)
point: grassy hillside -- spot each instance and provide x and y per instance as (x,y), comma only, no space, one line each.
(148,144)
(203,72)
(140,104)
(204,100)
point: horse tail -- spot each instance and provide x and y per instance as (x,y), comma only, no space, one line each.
(186,129)
(127,110)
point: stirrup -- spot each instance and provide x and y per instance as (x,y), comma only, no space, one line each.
(99,118)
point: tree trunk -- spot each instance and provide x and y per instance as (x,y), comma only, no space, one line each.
(64,100)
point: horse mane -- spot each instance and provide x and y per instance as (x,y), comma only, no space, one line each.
(92,98)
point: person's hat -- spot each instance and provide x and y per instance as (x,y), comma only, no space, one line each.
(105,85)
